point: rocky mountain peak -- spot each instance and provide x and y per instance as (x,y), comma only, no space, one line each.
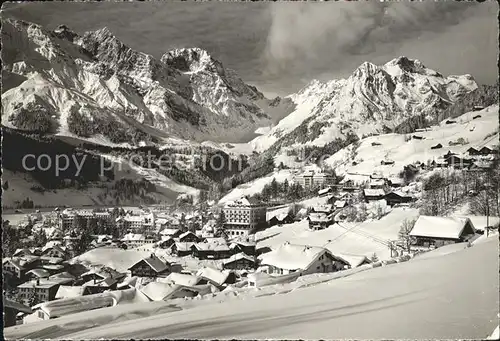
(192,60)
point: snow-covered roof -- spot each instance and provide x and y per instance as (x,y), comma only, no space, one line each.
(40,283)
(327,208)
(245,201)
(373,192)
(158,291)
(16,306)
(292,256)
(154,262)
(40,273)
(324,190)
(377,182)
(185,234)
(238,256)
(66,291)
(353,260)
(212,246)
(128,281)
(169,232)
(214,275)
(181,279)
(318,217)
(133,237)
(340,203)
(72,305)
(440,227)
(183,246)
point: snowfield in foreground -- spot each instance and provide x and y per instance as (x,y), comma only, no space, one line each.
(455,295)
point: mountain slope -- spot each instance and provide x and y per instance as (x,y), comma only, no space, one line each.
(94,85)
(374,99)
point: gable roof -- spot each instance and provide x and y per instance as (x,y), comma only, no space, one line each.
(237,257)
(440,227)
(16,306)
(214,275)
(373,192)
(212,246)
(153,262)
(353,260)
(183,246)
(318,217)
(40,273)
(66,291)
(187,233)
(181,279)
(293,256)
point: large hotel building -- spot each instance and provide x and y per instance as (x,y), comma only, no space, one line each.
(244,216)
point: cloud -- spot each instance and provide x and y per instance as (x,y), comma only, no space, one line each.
(312,39)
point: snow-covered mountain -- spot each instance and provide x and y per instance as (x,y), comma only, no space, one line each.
(374,99)
(94,86)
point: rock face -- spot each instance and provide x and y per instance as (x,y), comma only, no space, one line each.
(121,95)
(374,99)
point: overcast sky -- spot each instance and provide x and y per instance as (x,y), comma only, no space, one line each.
(280,47)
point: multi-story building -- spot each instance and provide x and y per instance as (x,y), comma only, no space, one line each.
(244,216)
(313,179)
(44,290)
(137,223)
(67,217)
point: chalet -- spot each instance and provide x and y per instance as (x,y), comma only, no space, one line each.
(304,259)
(327,209)
(136,240)
(183,279)
(161,291)
(247,248)
(240,261)
(67,291)
(301,214)
(432,231)
(23,252)
(387,162)
(339,204)
(165,242)
(319,221)
(212,250)
(280,219)
(487,151)
(150,266)
(99,286)
(396,182)
(37,273)
(173,233)
(181,249)
(353,261)
(99,274)
(439,163)
(19,266)
(377,183)
(373,194)
(457,162)
(188,237)
(473,151)
(437,146)
(216,277)
(10,311)
(55,251)
(394,198)
(42,289)
(325,191)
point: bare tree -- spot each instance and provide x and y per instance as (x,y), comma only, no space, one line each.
(404,232)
